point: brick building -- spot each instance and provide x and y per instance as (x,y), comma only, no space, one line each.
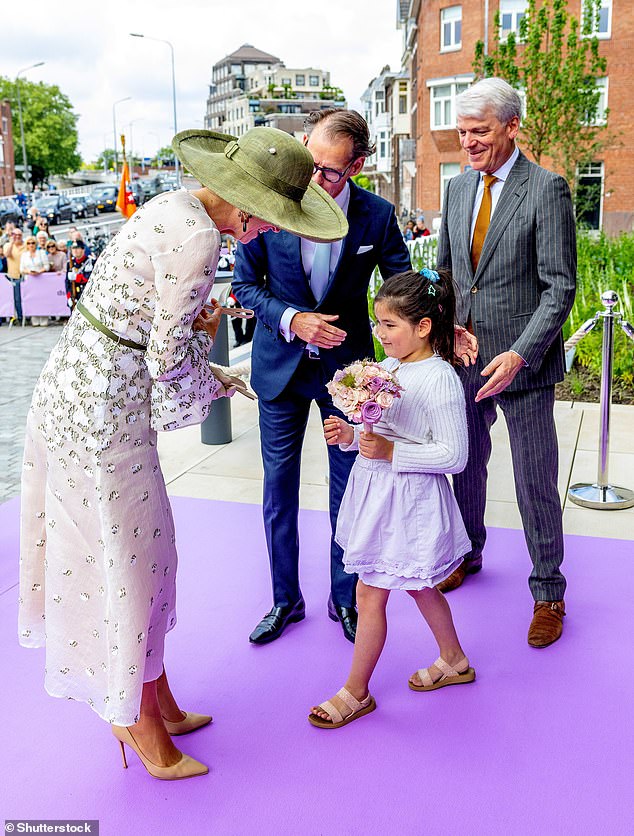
(439,43)
(7,163)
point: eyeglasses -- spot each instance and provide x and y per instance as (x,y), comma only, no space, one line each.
(31,244)
(51,247)
(331,174)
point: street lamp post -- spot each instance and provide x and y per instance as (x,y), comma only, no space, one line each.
(27,179)
(160,40)
(114,131)
(138,119)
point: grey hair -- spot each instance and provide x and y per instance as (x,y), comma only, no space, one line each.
(490,94)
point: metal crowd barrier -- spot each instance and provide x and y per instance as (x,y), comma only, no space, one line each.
(601,494)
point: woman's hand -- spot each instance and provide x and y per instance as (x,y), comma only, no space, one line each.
(374,446)
(337,431)
(209,322)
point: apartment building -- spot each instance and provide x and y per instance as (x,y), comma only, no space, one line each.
(280,97)
(386,108)
(439,42)
(228,81)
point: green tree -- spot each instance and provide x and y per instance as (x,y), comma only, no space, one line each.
(50,128)
(105,160)
(364,182)
(556,64)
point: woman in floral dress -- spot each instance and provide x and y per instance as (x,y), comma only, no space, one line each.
(98,557)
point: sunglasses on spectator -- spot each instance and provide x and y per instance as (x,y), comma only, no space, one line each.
(51,246)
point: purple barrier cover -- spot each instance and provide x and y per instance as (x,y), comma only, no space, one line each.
(44,295)
(6,297)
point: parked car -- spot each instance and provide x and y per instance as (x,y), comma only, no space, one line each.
(10,211)
(107,198)
(84,205)
(55,208)
(140,195)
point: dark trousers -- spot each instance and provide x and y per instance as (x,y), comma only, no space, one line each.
(282,429)
(533,439)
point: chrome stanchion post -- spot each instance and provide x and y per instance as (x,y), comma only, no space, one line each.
(601,495)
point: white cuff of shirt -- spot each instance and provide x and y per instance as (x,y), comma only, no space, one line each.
(519,355)
(285,324)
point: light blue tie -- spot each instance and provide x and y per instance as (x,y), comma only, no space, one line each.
(319,278)
(320,273)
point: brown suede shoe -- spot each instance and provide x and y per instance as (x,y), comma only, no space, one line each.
(454,580)
(458,575)
(547,624)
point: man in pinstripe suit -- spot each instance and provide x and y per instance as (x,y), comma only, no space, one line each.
(508,235)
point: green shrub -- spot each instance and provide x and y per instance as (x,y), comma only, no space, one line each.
(604,264)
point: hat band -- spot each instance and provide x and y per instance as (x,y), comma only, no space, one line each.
(255,170)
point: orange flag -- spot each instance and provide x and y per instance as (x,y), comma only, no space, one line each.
(125,200)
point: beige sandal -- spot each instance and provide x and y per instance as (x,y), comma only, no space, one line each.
(449,676)
(355,709)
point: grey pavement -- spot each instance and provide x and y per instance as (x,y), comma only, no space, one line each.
(23,353)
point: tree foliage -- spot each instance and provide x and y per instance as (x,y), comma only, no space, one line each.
(555,63)
(50,128)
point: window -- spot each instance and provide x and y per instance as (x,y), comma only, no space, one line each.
(300,80)
(313,80)
(443,104)
(402,103)
(511,12)
(589,197)
(379,102)
(600,117)
(382,144)
(447,171)
(602,23)
(450,28)
(286,82)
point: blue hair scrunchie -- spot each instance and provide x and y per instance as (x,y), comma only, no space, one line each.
(432,276)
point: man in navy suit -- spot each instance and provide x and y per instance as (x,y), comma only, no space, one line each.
(310,301)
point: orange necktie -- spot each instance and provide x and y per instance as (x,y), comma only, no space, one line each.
(482,221)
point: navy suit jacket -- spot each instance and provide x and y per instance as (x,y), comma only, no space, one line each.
(269,277)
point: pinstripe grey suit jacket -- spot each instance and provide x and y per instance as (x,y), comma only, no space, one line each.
(524,286)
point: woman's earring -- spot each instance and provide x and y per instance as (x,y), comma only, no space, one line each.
(245,217)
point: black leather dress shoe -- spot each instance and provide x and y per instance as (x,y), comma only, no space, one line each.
(347,616)
(274,623)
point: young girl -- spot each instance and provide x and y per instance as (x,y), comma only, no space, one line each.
(399,522)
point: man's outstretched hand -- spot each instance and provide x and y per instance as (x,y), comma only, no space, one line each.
(503,369)
(315,328)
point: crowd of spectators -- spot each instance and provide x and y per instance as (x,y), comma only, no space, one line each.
(39,254)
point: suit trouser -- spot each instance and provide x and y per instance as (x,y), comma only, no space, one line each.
(534,451)
(282,429)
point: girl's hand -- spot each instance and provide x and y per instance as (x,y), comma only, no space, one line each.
(208,322)
(337,431)
(374,446)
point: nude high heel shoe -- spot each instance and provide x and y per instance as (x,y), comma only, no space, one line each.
(185,768)
(189,723)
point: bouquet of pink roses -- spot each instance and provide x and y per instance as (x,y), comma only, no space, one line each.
(363,390)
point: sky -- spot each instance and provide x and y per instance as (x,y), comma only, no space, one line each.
(90,55)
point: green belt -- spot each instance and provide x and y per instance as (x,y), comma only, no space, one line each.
(105,330)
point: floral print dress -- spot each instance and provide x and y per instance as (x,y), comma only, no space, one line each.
(98,556)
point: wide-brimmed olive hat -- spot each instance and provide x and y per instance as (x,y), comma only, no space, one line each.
(266,173)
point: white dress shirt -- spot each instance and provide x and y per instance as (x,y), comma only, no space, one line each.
(308,251)
(496,189)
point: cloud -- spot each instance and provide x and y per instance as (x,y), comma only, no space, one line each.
(91,57)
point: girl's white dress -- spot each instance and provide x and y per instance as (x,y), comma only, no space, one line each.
(98,556)
(399,523)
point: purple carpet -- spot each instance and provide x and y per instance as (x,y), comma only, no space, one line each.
(542,743)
